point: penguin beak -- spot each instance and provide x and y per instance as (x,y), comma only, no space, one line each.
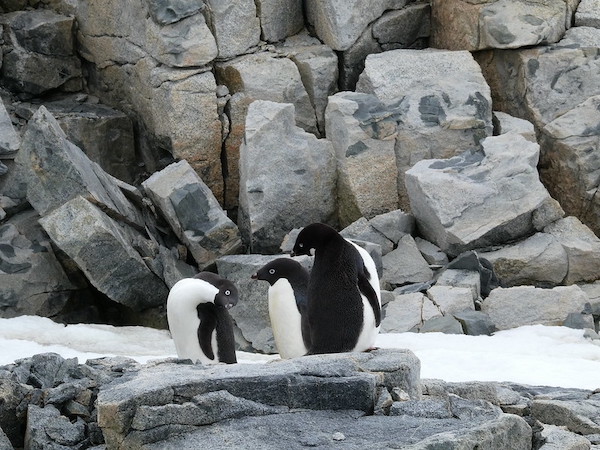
(229,306)
(254,276)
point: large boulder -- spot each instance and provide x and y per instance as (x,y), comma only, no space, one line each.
(193,213)
(439,116)
(487,24)
(362,134)
(34,39)
(526,305)
(588,14)
(287,177)
(478,199)
(279,19)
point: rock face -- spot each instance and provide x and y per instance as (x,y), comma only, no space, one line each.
(500,192)
(287,177)
(438,118)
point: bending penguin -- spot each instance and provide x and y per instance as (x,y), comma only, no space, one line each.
(288,284)
(199,321)
(344,298)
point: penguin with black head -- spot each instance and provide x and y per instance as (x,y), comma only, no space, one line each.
(344,298)
(199,320)
(287,297)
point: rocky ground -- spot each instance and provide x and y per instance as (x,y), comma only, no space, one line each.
(164,137)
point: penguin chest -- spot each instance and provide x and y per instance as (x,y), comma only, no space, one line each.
(285,320)
(184,331)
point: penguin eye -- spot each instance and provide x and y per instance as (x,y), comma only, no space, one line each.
(227,292)
(271,271)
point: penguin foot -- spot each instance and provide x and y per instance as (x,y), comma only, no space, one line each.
(370,349)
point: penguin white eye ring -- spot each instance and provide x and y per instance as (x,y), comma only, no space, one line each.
(227,292)
(272,271)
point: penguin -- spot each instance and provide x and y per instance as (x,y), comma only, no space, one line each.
(288,284)
(344,298)
(199,320)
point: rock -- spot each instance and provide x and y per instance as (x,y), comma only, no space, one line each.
(569,162)
(527,305)
(505,123)
(102,249)
(47,156)
(407,311)
(475,323)
(4,441)
(405,264)
(461,278)
(582,247)
(499,191)
(12,394)
(539,260)
(439,324)
(578,416)
(362,132)
(287,177)
(431,252)
(33,281)
(579,321)
(321,382)
(439,117)
(498,24)
(39,38)
(318,67)
(394,225)
(279,19)
(10,141)
(558,438)
(363,230)
(340,24)
(403,28)
(264,76)
(451,299)
(170,11)
(374,250)
(47,428)
(587,14)
(236,27)
(193,213)
(104,134)
(251,314)
(352,61)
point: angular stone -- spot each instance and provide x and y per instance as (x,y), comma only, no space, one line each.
(579,416)
(193,213)
(461,278)
(475,323)
(451,299)
(505,123)
(169,11)
(102,248)
(582,247)
(558,438)
(570,162)
(287,177)
(47,428)
(439,324)
(339,24)
(406,312)
(362,136)
(47,156)
(405,264)
(403,28)
(235,26)
(363,230)
(588,14)
(263,76)
(280,19)
(431,252)
(540,260)
(497,23)
(439,118)
(12,395)
(352,61)
(10,141)
(499,191)
(527,305)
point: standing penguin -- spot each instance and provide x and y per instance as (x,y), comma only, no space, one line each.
(288,284)
(344,299)
(198,318)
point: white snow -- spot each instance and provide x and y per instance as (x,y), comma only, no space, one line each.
(534,355)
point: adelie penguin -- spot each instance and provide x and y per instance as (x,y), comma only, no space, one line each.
(344,298)
(288,284)
(199,321)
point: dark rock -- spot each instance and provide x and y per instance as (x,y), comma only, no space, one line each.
(47,428)
(475,323)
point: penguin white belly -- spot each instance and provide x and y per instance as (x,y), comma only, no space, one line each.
(369,331)
(285,320)
(183,320)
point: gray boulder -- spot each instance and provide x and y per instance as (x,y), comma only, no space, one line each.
(362,134)
(587,14)
(505,123)
(193,213)
(451,299)
(499,192)
(279,19)
(10,141)
(47,428)
(467,278)
(170,11)
(499,24)
(364,230)
(440,117)
(407,312)
(577,415)
(39,38)
(431,252)
(236,27)
(102,248)
(405,264)
(526,305)
(475,323)
(4,441)
(441,324)
(557,438)
(264,76)
(287,177)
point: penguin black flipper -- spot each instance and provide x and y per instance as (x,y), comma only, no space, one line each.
(365,288)
(225,339)
(208,324)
